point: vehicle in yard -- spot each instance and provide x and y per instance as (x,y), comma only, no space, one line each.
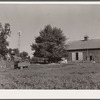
(23,64)
(20,64)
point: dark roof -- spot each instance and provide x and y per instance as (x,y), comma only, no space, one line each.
(82,44)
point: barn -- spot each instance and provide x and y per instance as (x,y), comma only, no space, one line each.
(84,50)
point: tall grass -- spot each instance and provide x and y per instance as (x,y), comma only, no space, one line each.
(76,76)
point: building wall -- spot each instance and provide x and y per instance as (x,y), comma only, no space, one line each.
(87,55)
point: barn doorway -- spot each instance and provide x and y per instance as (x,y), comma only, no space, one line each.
(77,56)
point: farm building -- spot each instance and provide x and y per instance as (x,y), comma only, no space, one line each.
(84,50)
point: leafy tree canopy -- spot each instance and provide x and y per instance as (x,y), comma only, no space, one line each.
(24,55)
(4,34)
(15,52)
(50,44)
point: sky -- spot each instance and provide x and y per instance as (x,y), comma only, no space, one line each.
(75,21)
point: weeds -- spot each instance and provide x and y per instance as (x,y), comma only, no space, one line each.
(53,77)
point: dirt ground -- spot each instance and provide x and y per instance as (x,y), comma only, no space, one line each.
(52,76)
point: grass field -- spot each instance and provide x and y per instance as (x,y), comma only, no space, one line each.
(52,76)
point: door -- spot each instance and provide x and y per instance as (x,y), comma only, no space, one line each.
(73,56)
(80,56)
(77,56)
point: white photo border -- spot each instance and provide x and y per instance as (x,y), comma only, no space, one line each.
(49,94)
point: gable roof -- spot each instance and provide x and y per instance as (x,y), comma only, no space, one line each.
(82,44)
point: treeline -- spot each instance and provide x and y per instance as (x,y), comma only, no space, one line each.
(49,46)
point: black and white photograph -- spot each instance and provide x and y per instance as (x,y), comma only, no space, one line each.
(50,46)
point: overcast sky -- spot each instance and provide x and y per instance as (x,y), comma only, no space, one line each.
(74,20)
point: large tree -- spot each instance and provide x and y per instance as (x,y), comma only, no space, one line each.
(50,44)
(4,34)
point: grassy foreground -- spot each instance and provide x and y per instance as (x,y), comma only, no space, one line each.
(52,76)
